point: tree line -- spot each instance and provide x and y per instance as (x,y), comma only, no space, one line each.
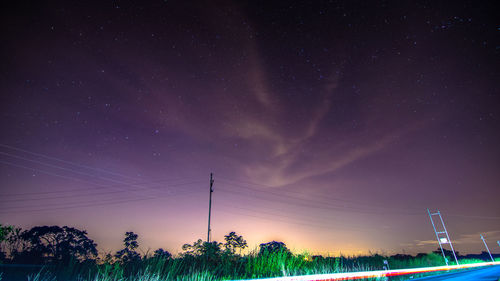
(49,244)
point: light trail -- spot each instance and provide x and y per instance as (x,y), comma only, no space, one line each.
(372,274)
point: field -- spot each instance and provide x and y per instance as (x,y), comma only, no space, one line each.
(211,268)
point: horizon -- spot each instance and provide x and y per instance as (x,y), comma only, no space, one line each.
(252,248)
(332,127)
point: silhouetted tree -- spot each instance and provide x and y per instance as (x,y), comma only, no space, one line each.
(273,247)
(128,254)
(209,251)
(5,231)
(108,258)
(54,243)
(402,257)
(202,248)
(234,242)
(15,245)
(212,249)
(421,255)
(447,253)
(196,249)
(160,253)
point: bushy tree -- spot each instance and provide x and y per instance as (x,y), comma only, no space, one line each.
(447,253)
(403,257)
(195,249)
(160,253)
(108,258)
(51,243)
(233,242)
(272,247)
(14,245)
(5,231)
(212,249)
(202,248)
(128,254)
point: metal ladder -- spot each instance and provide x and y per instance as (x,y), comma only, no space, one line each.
(442,236)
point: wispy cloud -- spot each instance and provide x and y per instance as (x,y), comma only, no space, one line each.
(425,242)
(282,144)
(277,174)
(256,78)
(470,238)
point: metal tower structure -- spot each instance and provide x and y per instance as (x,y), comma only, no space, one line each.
(442,235)
(488,249)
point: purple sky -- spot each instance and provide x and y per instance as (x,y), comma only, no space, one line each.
(328,126)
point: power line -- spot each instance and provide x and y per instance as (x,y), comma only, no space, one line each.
(106,202)
(71,178)
(300,193)
(6,210)
(92,188)
(48,173)
(273,220)
(310,203)
(62,204)
(71,163)
(102,203)
(72,170)
(340,219)
(308,219)
(267,189)
(65,161)
(360,208)
(80,195)
(301,204)
(120,186)
(295,222)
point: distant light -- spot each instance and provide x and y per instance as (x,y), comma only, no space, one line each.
(443,240)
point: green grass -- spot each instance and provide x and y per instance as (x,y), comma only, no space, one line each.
(225,267)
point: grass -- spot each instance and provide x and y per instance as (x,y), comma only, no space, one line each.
(223,267)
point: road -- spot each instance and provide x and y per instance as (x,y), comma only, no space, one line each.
(490,273)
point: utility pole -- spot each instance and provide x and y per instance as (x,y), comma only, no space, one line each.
(210,205)
(482,238)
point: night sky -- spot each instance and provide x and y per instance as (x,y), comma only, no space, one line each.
(330,126)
